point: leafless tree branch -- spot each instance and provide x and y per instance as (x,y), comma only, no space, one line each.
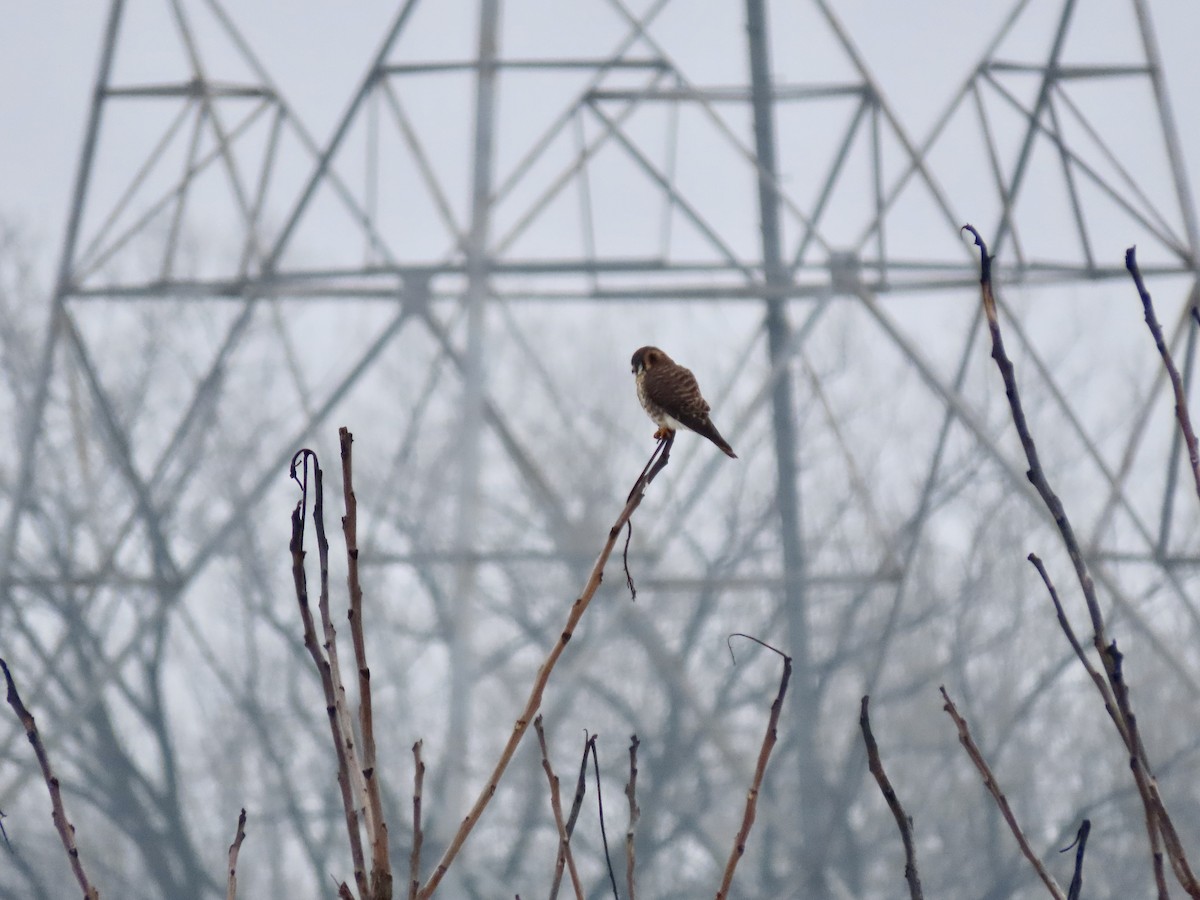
(341,742)
(903,820)
(764,755)
(381,866)
(1158,821)
(414,865)
(658,460)
(234,848)
(1181,408)
(634,814)
(564,840)
(560,863)
(989,781)
(66,830)
(1080,845)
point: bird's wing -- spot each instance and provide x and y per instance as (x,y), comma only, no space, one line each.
(674,389)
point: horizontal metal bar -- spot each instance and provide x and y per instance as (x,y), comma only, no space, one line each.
(735,94)
(192,88)
(522,64)
(1063,73)
(1150,559)
(321,287)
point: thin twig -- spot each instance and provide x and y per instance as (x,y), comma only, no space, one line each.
(625,561)
(414,863)
(635,813)
(1122,719)
(612,877)
(1181,407)
(381,865)
(1156,815)
(665,446)
(341,707)
(299,472)
(658,460)
(560,863)
(1080,845)
(66,831)
(903,820)
(564,840)
(764,755)
(989,781)
(234,848)
(1064,623)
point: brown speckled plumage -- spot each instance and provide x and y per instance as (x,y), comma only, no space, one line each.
(671,397)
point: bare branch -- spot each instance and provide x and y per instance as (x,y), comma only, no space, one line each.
(1181,408)
(1157,818)
(658,460)
(576,805)
(66,830)
(612,877)
(234,848)
(903,820)
(989,781)
(300,463)
(414,864)
(564,840)
(381,866)
(1080,845)
(634,814)
(764,755)
(1110,703)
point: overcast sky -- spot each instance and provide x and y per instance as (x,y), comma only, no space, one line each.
(318,50)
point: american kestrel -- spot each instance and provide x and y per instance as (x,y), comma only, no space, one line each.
(671,397)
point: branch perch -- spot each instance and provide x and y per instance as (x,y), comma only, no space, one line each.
(658,460)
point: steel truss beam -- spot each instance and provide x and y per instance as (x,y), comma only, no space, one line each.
(802,266)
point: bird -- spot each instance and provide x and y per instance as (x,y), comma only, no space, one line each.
(671,397)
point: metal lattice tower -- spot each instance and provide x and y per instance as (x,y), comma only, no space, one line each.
(529,161)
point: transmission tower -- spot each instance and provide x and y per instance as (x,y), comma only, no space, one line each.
(500,163)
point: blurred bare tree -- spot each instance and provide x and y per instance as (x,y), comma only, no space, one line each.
(232,294)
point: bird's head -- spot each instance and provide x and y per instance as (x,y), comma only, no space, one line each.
(647,358)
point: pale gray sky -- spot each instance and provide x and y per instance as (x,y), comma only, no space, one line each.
(318,50)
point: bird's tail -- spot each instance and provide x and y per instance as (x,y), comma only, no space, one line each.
(710,432)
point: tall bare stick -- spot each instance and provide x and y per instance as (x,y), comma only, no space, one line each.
(564,839)
(658,460)
(760,769)
(300,469)
(903,820)
(381,867)
(1157,819)
(560,863)
(414,866)
(634,814)
(1181,407)
(1080,845)
(989,781)
(234,848)
(66,831)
